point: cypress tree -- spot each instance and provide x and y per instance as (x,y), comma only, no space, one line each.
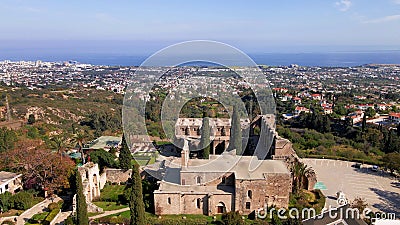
(136,203)
(125,156)
(364,122)
(81,206)
(205,138)
(326,124)
(235,139)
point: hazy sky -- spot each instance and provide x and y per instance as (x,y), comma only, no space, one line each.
(254,26)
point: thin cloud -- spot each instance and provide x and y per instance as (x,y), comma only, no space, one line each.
(396,2)
(344,5)
(384,19)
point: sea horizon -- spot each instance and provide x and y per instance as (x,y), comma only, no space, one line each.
(322,59)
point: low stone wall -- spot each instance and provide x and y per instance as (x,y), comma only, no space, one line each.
(53,221)
(9,218)
(92,208)
(117,175)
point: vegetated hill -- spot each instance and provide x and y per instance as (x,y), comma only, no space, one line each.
(59,109)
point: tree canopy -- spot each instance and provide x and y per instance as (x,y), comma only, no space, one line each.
(136,203)
(235,139)
(205,138)
(7,139)
(125,156)
(41,168)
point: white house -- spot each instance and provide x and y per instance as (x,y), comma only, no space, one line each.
(10,182)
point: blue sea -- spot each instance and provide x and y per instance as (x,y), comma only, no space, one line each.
(329,59)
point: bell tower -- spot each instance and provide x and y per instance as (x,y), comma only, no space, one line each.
(185,154)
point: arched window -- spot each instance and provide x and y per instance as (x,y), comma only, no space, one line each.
(198,180)
(249,194)
(95,179)
(198,203)
(169,201)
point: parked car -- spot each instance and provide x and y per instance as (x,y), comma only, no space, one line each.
(358,165)
(375,168)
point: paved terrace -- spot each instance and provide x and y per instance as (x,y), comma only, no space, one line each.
(379,189)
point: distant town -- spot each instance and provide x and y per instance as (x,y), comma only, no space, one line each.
(332,138)
(374,87)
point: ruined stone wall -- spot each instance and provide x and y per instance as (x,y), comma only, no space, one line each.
(278,189)
(103,180)
(117,175)
(191,203)
(266,124)
(90,180)
(254,194)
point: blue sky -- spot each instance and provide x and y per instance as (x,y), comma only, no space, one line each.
(145,26)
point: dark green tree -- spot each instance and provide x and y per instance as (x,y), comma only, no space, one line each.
(136,203)
(81,206)
(5,201)
(31,119)
(326,126)
(291,221)
(364,122)
(125,156)
(205,138)
(235,139)
(22,200)
(392,161)
(370,112)
(276,220)
(232,218)
(7,139)
(104,159)
(398,130)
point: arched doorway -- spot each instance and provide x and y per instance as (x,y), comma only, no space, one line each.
(221,207)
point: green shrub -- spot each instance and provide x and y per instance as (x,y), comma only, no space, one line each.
(232,218)
(51,216)
(53,206)
(5,201)
(69,221)
(22,200)
(7,222)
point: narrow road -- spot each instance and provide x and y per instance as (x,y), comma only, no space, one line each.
(62,217)
(107,213)
(38,208)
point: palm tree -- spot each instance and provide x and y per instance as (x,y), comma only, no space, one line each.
(59,144)
(79,139)
(300,171)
